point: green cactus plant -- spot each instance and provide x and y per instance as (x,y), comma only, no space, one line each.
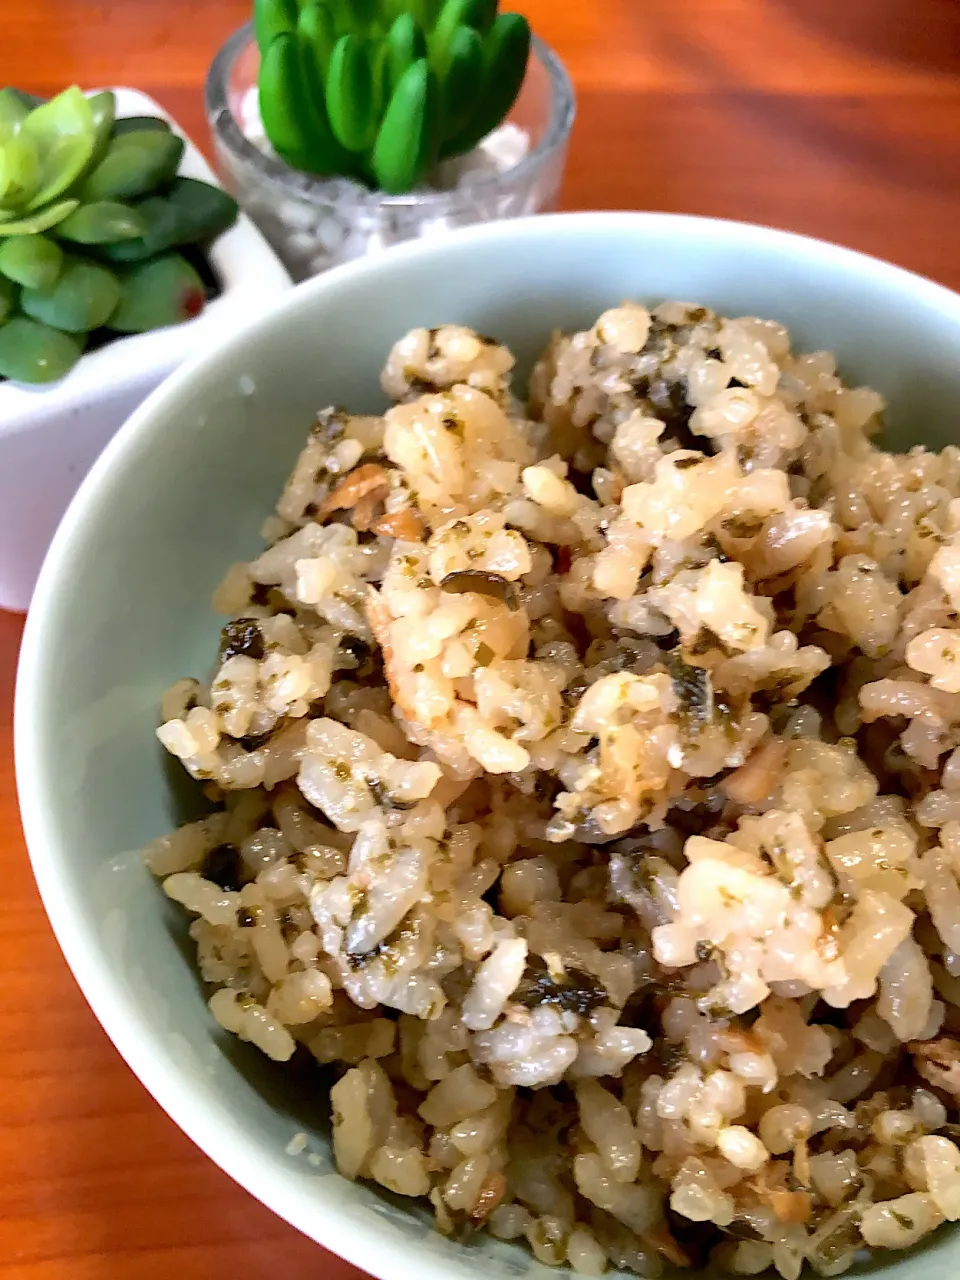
(91,211)
(380,90)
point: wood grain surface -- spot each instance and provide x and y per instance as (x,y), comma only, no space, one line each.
(840,118)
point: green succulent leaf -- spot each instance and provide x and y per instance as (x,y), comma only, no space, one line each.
(189,212)
(42,220)
(403,151)
(272,18)
(296,123)
(359,17)
(405,44)
(155,294)
(367,16)
(461,80)
(316,36)
(486,16)
(203,211)
(83,297)
(424,12)
(35,352)
(139,124)
(455,14)
(103,222)
(506,52)
(350,94)
(30,100)
(161,225)
(8,298)
(63,132)
(103,107)
(13,112)
(285,105)
(19,172)
(33,261)
(135,164)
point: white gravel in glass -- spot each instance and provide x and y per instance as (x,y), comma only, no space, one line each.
(313,236)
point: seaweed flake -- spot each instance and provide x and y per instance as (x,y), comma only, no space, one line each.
(695,819)
(706,640)
(668,399)
(742,526)
(386,949)
(572,694)
(420,386)
(778,687)
(575,992)
(222,866)
(668,641)
(483,583)
(712,543)
(385,800)
(694,693)
(241,638)
(844,1239)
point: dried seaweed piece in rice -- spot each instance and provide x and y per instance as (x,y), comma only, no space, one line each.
(241,638)
(571,990)
(483,583)
(694,692)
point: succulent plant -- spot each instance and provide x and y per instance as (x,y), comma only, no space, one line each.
(91,211)
(380,90)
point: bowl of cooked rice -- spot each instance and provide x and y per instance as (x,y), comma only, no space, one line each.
(488,739)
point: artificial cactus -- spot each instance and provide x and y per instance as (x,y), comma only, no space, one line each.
(380,90)
(90,209)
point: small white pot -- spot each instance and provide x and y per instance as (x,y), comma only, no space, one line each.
(50,435)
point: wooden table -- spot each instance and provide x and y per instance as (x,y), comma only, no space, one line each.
(840,118)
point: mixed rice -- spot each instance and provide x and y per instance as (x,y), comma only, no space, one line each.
(586,798)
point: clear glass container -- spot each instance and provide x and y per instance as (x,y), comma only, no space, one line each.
(316,223)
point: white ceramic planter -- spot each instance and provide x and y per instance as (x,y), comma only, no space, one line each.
(50,436)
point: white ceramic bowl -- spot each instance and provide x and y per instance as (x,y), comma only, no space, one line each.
(50,435)
(121,610)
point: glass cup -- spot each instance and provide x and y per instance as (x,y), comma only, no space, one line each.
(315,223)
